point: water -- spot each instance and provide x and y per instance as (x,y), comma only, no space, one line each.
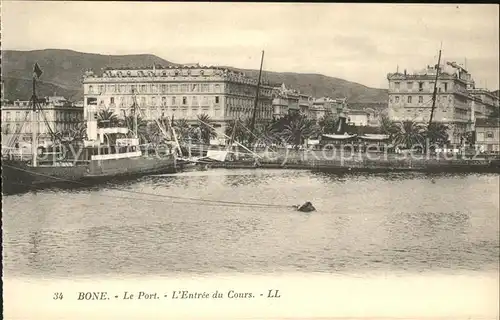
(387,223)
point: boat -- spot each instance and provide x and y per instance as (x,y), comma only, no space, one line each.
(71,164)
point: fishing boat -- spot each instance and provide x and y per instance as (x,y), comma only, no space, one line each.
(103,155)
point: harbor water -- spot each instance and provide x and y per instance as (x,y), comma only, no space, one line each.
(378,223)
(410,246)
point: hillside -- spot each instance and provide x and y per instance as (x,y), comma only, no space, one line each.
(63,69)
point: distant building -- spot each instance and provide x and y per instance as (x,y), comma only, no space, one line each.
(483,103)
(410,98)
(59,114)
(180,92)
(285,101)
(487,135)
(324,106)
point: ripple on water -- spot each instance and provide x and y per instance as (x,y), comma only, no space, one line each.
(364,223)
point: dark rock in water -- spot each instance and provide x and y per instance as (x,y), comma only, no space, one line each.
(306,207)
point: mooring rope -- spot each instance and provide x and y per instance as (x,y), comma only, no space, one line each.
(203,201)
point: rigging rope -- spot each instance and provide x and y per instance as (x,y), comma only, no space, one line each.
(203,201)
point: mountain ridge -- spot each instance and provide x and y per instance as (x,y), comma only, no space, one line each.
(63,70)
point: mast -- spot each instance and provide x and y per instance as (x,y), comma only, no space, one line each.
(252,125)
(34,116)
(435,89)
(135,114)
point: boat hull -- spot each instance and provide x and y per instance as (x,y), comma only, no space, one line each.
(18,176)
(136,166)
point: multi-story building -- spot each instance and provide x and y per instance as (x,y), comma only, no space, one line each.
(483,103)
(363,117)
(58,114)
(305,104)
(285,101)
(410,98)
(487,135)
(324,106)
(177,92)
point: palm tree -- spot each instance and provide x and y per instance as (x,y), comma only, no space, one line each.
(142,127)
(107,118)
(327,124)
(299,129)
(409,134)
(206,130)
(388,127)
(182,129)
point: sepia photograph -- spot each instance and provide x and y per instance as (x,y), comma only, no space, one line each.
(218,160)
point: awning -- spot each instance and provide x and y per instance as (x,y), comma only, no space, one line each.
(374,137)
(338,136)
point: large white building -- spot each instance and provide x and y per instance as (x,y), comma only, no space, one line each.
(457,105)
(181,92)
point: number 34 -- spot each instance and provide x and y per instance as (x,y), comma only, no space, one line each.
(58,296)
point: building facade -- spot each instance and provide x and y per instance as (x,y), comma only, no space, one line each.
(327,106)
(487,135)
(410,98)
(180,92)
(483,103)
(59,114)
(285,101)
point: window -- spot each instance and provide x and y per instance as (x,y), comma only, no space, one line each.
(133,88)
(489,134)
(18,115)
(396,85)
(420,99)
(194,100)
(174,88)
(204,88)
(410,85)
(216,99)
(173,101)
(217,88)
(143,88)
(420,86)
(184,100)
(445,86)
(143,101)
(91,89)
(163,101)
(184,88)
(112,100)
(194,88)
(397,99)
(409,99)
(164,88)
(101,89)
(153,101)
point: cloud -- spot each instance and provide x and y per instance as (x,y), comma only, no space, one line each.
(358,42)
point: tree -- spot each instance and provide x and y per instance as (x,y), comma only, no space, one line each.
(299,129)
(327,124)
(206,130)
(409,134)
(388,127)
(437,133)
(182,129)
(107,118)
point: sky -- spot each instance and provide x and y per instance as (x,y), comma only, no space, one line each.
(355,42)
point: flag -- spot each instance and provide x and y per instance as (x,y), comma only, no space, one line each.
(37,71)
